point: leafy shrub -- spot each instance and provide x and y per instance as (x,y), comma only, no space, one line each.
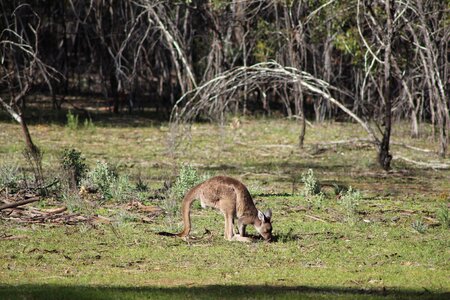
(312,190)
(73,163)
(316,201)
(443,216)
(9,176)
(75,203)
(88,124)
(72,121)
(121,189)
(101,178)
(419,226)
(311,184)
(187,179)
(109,184)
(350,200)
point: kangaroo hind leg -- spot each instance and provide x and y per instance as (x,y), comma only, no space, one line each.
(229,226)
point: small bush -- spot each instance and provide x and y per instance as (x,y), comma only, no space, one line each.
(312,190)
(121,189)
(111,186)
(89,125)
(350,200)
(311,184)
(442,215)
(419,226)
(72,121)
(186,180)
(101,178)
(9,176)
(73,164)
(75,203)
(123,217)
(316,201)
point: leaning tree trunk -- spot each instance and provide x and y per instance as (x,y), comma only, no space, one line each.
(31,150)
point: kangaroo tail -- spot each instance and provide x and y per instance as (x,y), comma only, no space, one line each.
(186,210)
(164,233)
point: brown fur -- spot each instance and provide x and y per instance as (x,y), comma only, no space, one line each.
(232,198)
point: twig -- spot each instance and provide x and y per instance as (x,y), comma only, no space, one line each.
(316,218)
(19,203)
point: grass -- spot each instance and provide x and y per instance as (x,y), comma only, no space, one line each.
(317,254)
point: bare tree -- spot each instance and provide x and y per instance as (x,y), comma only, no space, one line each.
(204,100)
(19,44)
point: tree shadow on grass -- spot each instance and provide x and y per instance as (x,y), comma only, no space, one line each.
(209,292)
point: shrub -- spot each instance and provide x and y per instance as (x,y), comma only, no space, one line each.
(419,226)
(101,178)
(187,178)
(350,200)
(316,201)
(443,216)
(111,186)
(123,217)
(311,184)
(9,176)
(73,164)
(75,203)
(312,190)
(121,189)
(72,121)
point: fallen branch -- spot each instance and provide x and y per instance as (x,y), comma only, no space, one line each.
(343,142)
(439,166)
(19,203)
(316,218)
(55,210)
(412,147)
(13,237)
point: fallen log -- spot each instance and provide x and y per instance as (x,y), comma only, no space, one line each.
(19,203)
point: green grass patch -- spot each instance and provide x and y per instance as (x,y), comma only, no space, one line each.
(357,246)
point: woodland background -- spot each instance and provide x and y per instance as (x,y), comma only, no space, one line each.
(123,106)
(377,61)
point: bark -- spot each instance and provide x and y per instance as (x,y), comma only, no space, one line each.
(384,157)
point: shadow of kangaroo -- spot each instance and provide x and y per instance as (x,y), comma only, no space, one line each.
(232,198)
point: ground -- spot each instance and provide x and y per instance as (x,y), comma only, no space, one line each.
(391,244)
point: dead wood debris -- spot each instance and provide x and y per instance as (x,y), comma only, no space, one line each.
(13,207)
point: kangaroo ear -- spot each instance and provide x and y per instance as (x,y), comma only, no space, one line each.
(261,216)
(268,214)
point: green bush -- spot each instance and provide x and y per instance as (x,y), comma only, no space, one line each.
(9,176)
(72,121)
(419,226)
(101,178)
(89,125)
(73,163)
(311,184)
(110,185)
(350,201)
(312,190)
(74,203)
(442,215)
(187,179)
(122,190)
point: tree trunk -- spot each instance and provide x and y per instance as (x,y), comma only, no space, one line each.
(114,92)
(384,157)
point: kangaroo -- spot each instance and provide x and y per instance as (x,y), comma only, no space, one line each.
(232,198)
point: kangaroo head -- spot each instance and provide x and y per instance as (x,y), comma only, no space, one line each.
(264,226)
